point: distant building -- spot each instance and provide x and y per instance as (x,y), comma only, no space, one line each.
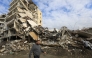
(39,22)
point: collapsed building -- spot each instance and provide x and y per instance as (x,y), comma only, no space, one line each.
(24,21)
(22,17)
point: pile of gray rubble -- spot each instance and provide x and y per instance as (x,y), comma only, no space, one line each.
(65,38)
(14,46)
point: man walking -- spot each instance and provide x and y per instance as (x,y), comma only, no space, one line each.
(36,50)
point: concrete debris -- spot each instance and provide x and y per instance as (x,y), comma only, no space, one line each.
(14,47)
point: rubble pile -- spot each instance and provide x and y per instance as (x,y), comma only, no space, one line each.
(14,46)
(62,37)
(65,38)
(24,20)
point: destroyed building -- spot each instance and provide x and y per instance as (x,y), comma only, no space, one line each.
(24,21)
(23,15)
(19,23)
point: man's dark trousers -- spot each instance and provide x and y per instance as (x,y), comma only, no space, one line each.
(36,56)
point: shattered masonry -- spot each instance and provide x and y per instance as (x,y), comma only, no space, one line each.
(24,21)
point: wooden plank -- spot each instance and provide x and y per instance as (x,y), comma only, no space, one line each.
(33,35)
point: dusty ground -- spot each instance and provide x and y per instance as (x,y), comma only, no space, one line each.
(25,55)
(58,52)
(55,53)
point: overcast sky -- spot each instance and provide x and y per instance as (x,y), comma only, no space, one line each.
(57,13)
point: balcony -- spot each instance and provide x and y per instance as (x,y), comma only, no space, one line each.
(14,5)
(1,22)
(10,17)
(12,11)
(13,1)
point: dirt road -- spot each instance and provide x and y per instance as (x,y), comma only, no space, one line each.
(26,56)
(54,53)
(42,56)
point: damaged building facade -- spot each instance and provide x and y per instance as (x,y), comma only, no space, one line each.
(23,16)
(2,22)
